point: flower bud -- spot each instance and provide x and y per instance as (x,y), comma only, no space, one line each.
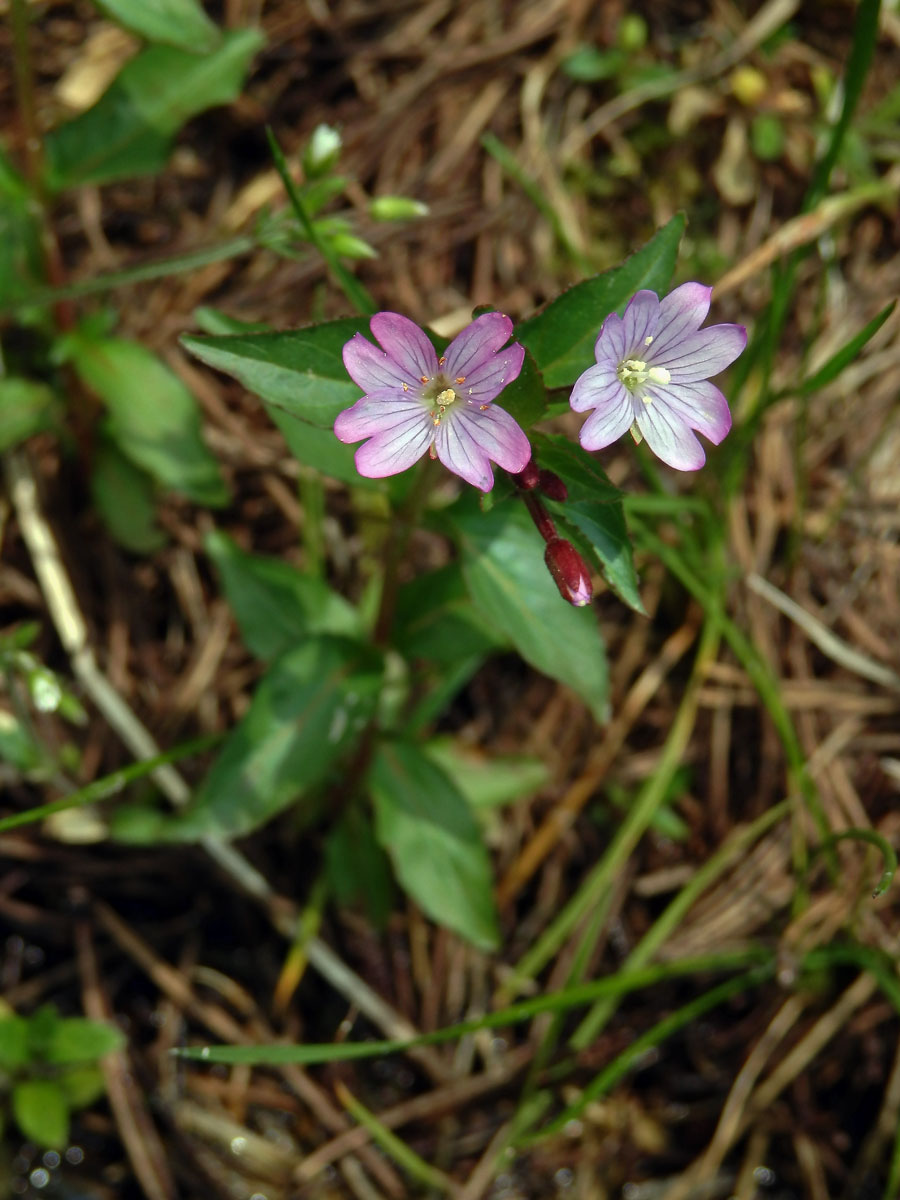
(396,208)
(527,479)
(569,572)
(552,486)
(322,151)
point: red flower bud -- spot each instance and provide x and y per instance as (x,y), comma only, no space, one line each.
(527,479)
(569,572)
(551,485)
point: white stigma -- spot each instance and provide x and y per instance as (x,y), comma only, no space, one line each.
(447,396)
(634,373)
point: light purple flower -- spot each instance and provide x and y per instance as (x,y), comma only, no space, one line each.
(416,401)
(652,376)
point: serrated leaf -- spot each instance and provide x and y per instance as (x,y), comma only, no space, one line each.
(180,23)
(503,565)
(78,1039)
(41,1112)
(276,606)
(153,418)
(301,378)
(423,822)
(123,495)
(594,510)
(129,130)
(562,337)
(305,714)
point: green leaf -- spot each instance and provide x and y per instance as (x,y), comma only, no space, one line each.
(214,321)
(21,258)
(14,1047)
(123,495)
(487,782)
(434,620)
(846,355)
(424,823)
(153,418)
(526,397)
(503,565)
(562,337)
(593,511)
(301,378)
(276,606)
(41,1112)
(181,23)
(79,1040)
(26,407)
(306,713)
(357,867)
(129,130)
(81,1086)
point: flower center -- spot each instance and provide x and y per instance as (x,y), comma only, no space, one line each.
(634,373)
(438,394)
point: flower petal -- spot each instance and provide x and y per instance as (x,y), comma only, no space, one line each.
(640,321)
(703,354)
(488,379)
(669,437)
(406,344)
(498,434)
(701,405)
(378,412)
(597,387)
(475,345)
(370,368)
(610,344)
(392,451)
(459,448)
(680,313)
(607,423)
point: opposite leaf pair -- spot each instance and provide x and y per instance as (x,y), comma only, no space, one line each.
(651,376)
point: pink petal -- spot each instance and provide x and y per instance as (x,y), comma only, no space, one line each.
(607,423)
(669,437)
(610,343)
(378,412)
(488,379)
(701,405)
(370,368)
(459,448)
(680,313)
(406,344)
(598,386)
(498,434)
(396,449)
(703,354)
(640,321)
(476,344)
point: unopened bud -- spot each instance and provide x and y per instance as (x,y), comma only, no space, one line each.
(396,208)
(552,486)
(528,478)
(569,572)
(322,151)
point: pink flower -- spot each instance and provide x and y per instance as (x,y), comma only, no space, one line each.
(416,401)
(652,376)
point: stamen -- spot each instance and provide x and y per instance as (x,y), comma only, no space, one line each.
(648,341)
(424,378)
(441,360)
(406,387)
(460,379)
